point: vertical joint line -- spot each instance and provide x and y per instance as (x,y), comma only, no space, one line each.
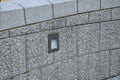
(111,14)
(99,34)
(24,12)
(100,4)
(26,55)
(109,62)
(89,17)
(77,6)
(52,8)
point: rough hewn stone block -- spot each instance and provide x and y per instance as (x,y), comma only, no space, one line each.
(64,7)
(115,62)
(116,13)
(4,34)
(104,65)
(67,41)
(37,50)
(110,35)
(83,67)
(5,67)
(24,30)
(88,5)
(110,3)
(18,61)
(88,38)
(47,25)
(12,55)
(93,66)
(66,70)
(77,19)
(99,16)
(59,23)
(21,77)
(34,75)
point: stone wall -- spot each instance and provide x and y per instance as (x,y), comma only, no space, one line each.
(89,45)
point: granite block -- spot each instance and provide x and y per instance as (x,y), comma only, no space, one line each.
(88,38)
(110,35)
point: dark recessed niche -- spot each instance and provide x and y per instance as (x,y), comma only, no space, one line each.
(53,42)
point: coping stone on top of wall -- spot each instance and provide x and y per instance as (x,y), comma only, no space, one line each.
(11,15)
(88,5)
(36,10)
(64,7)
(109,3)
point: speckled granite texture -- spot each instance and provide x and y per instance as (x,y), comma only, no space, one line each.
(89,45)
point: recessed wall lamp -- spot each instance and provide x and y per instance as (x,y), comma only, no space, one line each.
(53,42)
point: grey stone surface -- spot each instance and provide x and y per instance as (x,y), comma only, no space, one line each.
(77,19)
(83,67)
(115,62)
(24,30)
(110,3)
(116,13)
(37,50)
(104,65)
(4,34)
(67,41)
(34,75)
(59,23)
(88,38)
(18,61)
(12,56)
(10,12)
(47,25)
(36,10)
(110,35)
(66,70)
(99,16)
(21,77)
(93,66)
(88,5)
(64,7)
(5,67)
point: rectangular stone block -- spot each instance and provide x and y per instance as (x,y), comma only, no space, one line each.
(110,35)
(25,30)
(93,66)
(88,5)
(14,50)
(88,38)
(59,23)
(99,16)
(110,3)
(10,12)
(116,13)
(37,50)
(21,77)
(36,10)
(115,62)
(4,34)
(34,75)
(83,67)
(5,67)
(104,65)
(46,25)
(12,55)
(64,7)
(67,42)
(77,19)
(66,70)
(18,56)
